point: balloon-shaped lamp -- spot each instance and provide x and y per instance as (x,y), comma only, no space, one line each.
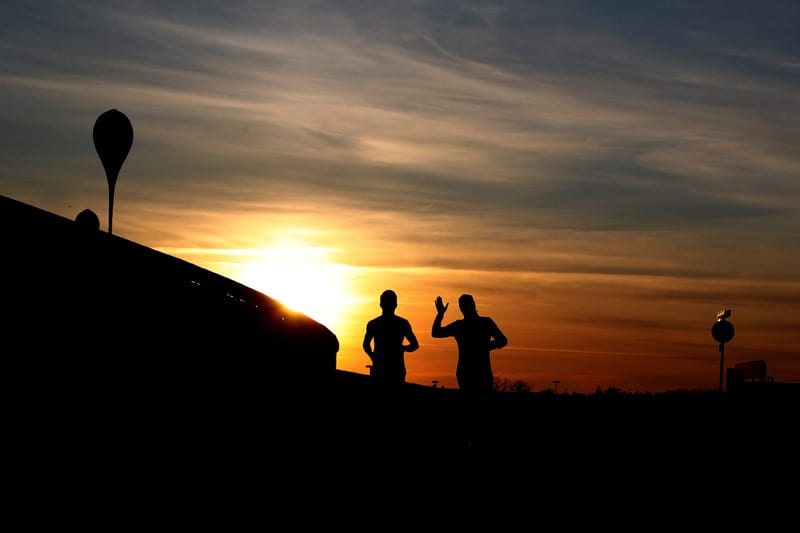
(113,138)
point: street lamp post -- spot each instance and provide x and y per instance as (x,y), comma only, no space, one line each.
(722,331)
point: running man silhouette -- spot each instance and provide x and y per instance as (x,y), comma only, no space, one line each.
(476,336)
(384,343)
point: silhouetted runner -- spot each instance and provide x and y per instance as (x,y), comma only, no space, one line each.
(476,336)
(384,343)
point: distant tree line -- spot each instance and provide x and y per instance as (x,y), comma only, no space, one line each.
(521,386)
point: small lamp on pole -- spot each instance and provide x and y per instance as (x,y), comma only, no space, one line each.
(722,331)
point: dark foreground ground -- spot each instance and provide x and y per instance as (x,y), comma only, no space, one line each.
(346,452)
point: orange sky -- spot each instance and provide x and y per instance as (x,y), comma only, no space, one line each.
(602,182)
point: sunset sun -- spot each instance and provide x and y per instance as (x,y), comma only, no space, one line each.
(302,278)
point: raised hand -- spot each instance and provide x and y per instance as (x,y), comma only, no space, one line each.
(441,307)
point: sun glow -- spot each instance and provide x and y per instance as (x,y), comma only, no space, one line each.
(302,278)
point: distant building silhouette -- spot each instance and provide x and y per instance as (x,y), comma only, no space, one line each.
(143,316)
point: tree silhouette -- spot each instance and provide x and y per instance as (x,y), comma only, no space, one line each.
(506,385)
(113,138)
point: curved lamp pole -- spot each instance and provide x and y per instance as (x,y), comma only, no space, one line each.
(113,138)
